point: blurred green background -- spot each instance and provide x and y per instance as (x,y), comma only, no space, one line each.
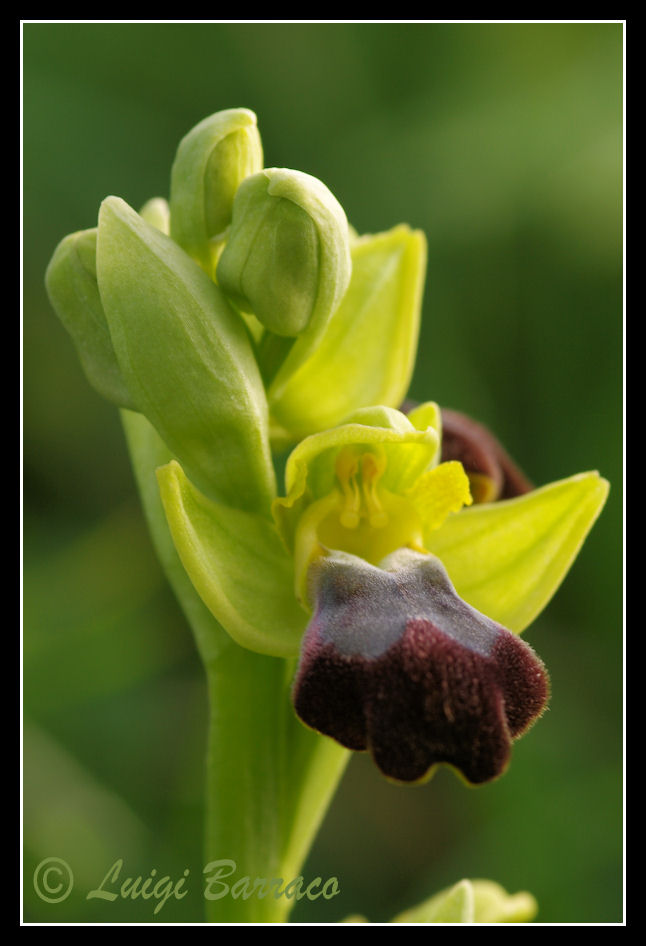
(503,142)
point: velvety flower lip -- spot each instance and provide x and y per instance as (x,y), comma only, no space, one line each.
(395,663)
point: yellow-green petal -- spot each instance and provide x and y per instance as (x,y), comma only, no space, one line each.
(439,492)
(409,451)
(237,565)
(426,415)
(507,559)
(367,353)
(311,472)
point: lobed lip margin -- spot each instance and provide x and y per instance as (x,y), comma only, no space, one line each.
(429,694)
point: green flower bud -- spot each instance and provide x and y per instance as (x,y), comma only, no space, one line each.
(211,162)
(287,257)
(473,901)
(156,212)
(74,294)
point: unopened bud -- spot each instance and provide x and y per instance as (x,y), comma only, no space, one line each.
(212,160)
(74,294)
(287,257)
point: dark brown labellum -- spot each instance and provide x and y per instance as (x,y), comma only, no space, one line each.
(395,663)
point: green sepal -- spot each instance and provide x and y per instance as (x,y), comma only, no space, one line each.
(212,161)
(367,353)
(287,254)
(310,473)
(507,559)
(186,358)
(74,294)
(237,564)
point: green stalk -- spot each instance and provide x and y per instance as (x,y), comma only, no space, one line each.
(269,783)
(269,779)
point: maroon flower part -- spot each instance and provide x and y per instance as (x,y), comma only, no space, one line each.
(395,663)
(492,472)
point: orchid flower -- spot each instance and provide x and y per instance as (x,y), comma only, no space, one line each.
(399,564)
(415,597)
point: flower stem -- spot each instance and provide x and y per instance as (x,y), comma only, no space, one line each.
(269,783)
(269,779)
